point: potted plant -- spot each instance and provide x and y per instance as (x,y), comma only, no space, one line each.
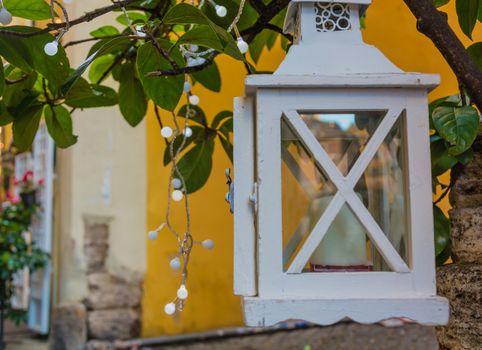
(16,254)
(28,189)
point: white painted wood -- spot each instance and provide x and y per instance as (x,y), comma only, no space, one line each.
(265,312)
(420,214)
(349,81)
(244,219)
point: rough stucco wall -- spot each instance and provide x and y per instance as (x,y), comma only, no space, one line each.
(104,175)
(390,27)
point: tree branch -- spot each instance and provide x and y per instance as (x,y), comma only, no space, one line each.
(87,17)
(434,25)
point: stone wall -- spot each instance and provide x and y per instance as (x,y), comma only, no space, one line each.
(461,282)
(112,309)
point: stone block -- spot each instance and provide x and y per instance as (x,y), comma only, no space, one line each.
(96,246)
(69,327)
(466,234)
(114,324)
(467,182)
(107,291)
(100,345)
(461,284)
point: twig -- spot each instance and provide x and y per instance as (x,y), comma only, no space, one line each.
(76,42)
(434,25)
(87,17)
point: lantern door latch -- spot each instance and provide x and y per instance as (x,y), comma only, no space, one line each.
(230,194)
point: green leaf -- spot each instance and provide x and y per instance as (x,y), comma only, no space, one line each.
(2,80)
(36,10)
(467,12)
(59,126)
(227,146)
(439,3)
(466,157)
(104,49)
(220,117)
(441,230)
(475,51)
(196,114)
(459,126)
(107,46)
(132,99)
(25,127)
(197,132)
(188,14)
(104,31)
(441,159)
(202,36)
(165,91)
(99,67)
(209,77)
(15,93)
(134,17)
(16,52)
(196,165)
(84,95)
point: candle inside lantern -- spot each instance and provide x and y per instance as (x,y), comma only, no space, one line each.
(344,244)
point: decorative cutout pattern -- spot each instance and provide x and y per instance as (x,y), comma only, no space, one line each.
(332,17)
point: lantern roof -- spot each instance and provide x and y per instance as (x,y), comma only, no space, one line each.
(328,51)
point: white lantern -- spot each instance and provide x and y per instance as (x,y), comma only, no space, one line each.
(333,211)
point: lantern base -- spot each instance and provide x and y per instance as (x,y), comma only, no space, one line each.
(265,312)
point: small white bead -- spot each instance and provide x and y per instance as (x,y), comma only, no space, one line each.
(190,62)
(242,46)
(166,132)
(170,308)
(193,48)
(182,292)
(176,183)
(153,235)
(140,33)
(208,244)
(177,196)
(51,48)
(5,16)
(199,61)
(188,131)
(221,11)
(187,87)
(194,100)
(175,264)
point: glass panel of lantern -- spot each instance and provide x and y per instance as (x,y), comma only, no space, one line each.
(307,191)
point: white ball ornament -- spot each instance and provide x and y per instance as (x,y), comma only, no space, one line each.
(182,292)
(188,131)
(5,16)
(187,87)
(153,235)
(175,264)
(242,46)
(170,308)
(177,196)
(208,244)
(166,132)
(221,11)
(51,48)
(176,183)
(194,100)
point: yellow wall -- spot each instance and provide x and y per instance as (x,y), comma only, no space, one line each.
(391,27)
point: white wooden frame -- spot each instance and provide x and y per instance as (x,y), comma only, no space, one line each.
(273,282)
